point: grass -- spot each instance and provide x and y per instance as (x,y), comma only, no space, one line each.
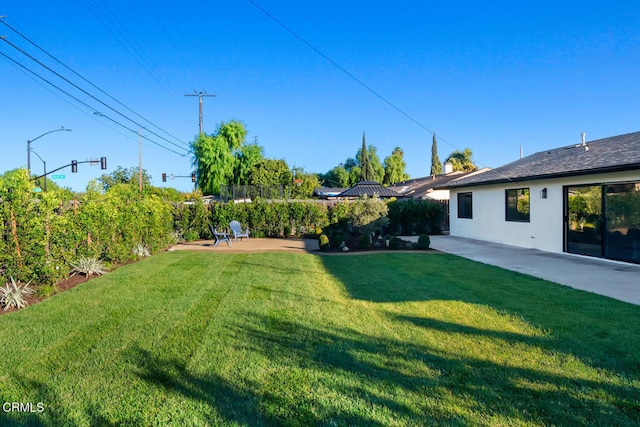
(295,339)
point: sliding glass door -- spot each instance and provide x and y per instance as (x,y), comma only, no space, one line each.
(622,238)
(584,220)
(603,220)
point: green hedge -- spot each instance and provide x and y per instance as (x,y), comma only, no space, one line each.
(42,233)
(264,218)
(413,217)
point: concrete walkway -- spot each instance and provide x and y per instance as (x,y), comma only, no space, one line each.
(614,279)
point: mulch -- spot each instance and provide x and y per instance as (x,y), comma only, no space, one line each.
(62,286)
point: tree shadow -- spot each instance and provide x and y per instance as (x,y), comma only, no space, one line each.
(580,322)
(249,404)
(55,412)
(366,367)
(581,333)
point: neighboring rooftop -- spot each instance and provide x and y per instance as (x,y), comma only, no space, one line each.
(419,188)
(328,191)
(369,188)
(617,153)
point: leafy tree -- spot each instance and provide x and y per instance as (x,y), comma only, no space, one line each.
(125,176)
(436,165)
(370,165)
(233,132)
(218,156)
(338,177)
(213,161)
(394,167)
(246,156)
(462,160)
(350,163)
(270,172)
(303,183)
(355,175)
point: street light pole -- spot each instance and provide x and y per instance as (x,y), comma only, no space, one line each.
(29,141)
(45,169)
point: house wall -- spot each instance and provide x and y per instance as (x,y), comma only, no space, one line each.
(544,231)
(437,195)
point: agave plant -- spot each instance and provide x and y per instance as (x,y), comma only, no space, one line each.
(176,237)
(141,250)
(88,266)
(13,294)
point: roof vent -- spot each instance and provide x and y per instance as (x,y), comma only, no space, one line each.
(584,139)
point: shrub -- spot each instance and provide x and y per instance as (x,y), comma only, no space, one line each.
(336,236)
(369,214)
(364,241)
(395,243)
(323,241)
(423,242)
(46,290)
(410,217)
(13,294)
(88,266)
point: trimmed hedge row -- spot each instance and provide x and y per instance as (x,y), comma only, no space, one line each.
(41,233)
(414,217)
(264,218)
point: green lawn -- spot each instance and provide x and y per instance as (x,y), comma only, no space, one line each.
(189,338)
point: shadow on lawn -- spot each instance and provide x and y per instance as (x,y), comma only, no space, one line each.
(420,384)
(576,321)
(580,322)
(55,412)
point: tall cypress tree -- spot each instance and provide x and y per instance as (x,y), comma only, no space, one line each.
(436,165)
(365,166)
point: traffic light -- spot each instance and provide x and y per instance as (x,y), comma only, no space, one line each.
(103,163)
(74,166)
(164,177)
(193,177)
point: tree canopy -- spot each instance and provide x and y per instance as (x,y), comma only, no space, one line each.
(394,167)
(224,157)
(270,172)
(125,176)
(462,160)
(367,166)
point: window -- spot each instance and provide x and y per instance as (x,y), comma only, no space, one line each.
(465,205)
(517,205)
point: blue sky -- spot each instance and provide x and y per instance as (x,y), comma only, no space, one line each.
(490,77)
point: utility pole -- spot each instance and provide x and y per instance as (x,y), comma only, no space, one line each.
(200,95)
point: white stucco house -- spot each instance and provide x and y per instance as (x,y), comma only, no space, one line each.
(582,198)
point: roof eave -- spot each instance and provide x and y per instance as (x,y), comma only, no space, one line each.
(608,169)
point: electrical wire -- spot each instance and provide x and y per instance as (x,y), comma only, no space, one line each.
(87,105)
(88,94)
(346,72)
(87,80)
(124,38)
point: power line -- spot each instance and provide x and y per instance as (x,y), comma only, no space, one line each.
(85,104)
(88,81)
(124,38)
(88,94)
(349,74)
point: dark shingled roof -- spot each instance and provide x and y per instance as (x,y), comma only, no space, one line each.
(369,188)
(617,153)
(419,188)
